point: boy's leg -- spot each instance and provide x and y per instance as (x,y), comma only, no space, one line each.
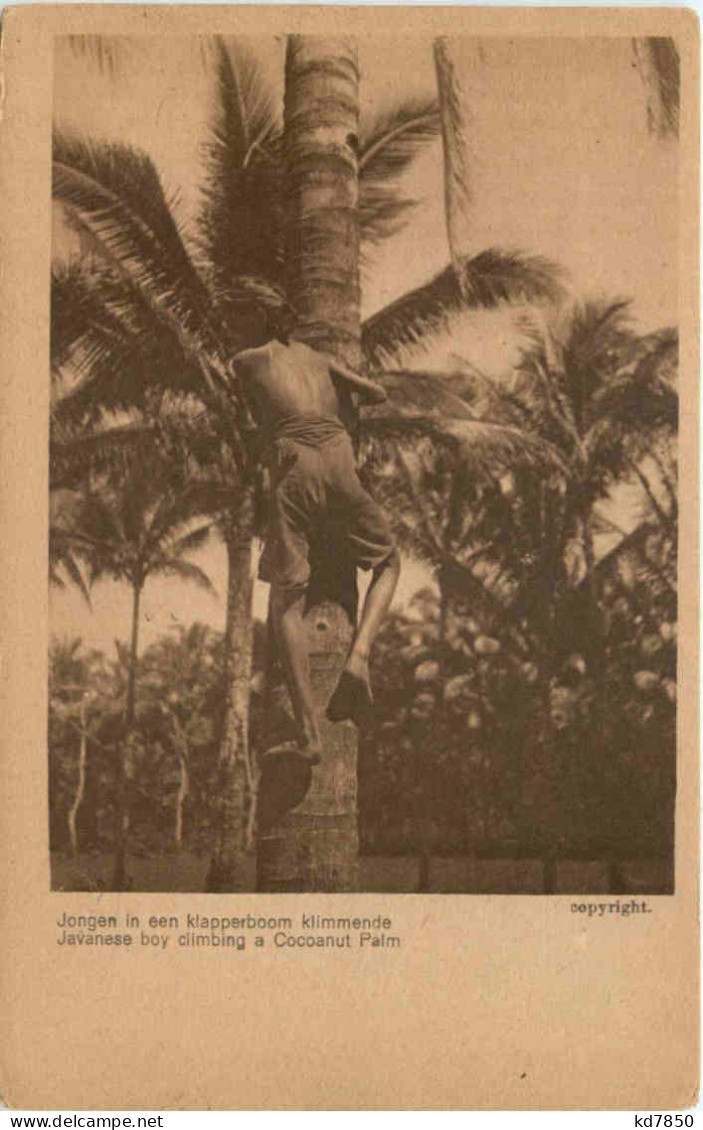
(287,609)
(352,696)
(384,580)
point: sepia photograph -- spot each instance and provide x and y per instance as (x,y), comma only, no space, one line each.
(363,505)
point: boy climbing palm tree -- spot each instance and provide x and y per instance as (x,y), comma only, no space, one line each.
(301,398)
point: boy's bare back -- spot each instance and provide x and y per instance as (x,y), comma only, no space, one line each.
(284,380)
(288,380)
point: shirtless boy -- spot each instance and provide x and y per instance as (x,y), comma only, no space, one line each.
(298,397)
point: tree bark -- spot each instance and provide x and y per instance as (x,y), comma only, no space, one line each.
(598,652)
(545,622)
(322,237)
(184,782)
(80,786)
(183,788)
(307,836)
(125,768)
(235,774)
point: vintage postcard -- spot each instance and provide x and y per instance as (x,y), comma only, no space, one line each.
(350,393)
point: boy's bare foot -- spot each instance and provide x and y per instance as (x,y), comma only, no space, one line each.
(352,698)
(310,742)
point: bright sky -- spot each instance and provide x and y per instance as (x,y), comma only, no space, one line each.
(561,162)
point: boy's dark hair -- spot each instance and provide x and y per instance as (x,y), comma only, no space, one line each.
(281,321)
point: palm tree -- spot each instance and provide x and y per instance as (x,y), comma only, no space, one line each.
(71,676)
(179,677)
(143,321)
(599,395)
(486,278)
(129,530)
(62,558)
(473,278)
(314,846)
(323,282)
(585,408)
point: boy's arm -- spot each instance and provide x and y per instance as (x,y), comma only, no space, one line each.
(253,431)
(369,392)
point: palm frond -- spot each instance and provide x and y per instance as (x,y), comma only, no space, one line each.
(659,65)
(184,570)
(486,446)
(102,451)
(119,348)
(107,52)
(479,445)
(490,278)
(191,542)
(61,556)
(571,356)
(413,392)
(241,221)
(388,144)
(586,331)
(643,399)
(127,353)
(497,399)
(75,305)
(457,190)
(114,194)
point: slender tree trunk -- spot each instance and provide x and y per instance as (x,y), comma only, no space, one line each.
(184,782)
(125,766)
(598,655)
(548,752)
(236,778)
(598,669)
(425,752)
(80,787)
(311,843)
(180,801)
(547,737)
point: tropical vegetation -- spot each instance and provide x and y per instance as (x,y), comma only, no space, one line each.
(512,691)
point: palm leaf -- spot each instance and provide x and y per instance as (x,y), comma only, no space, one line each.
(102,451)
(480,446)
(486,446)
(114,194)
(183,570)
(76,305)
(413,392)
(388,144)
(128,352)
(193,541)
(121,349)
(644,397)
(659,65)
(241,220)
(107,52)
(457,191)
(61,556)
(490,278)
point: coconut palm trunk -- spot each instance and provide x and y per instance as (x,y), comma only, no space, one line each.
(236,782)
(314,846)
